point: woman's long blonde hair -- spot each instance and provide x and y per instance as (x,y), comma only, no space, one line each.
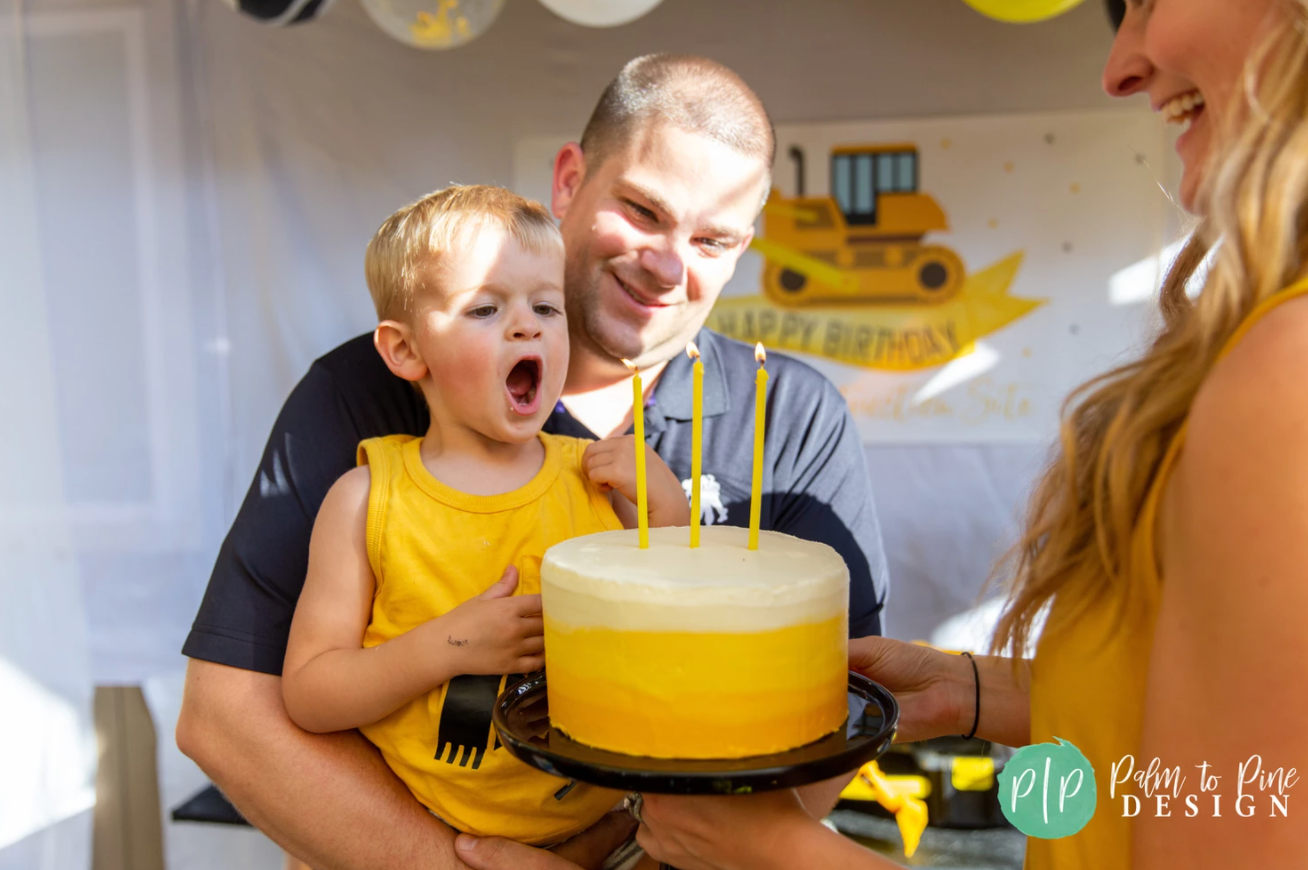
(1078,541)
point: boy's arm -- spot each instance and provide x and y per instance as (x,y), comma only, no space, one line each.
(331,683)
(611,465)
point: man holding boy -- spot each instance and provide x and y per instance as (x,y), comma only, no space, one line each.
(657,203)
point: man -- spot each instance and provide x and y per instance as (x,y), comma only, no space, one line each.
(657,203)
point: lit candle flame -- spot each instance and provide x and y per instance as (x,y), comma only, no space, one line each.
(631,366)
(760,355)
(691,350)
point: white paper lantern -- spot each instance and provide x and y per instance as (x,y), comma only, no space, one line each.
(434,24)
(600,13)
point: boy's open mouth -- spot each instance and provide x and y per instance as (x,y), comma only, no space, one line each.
(523,384)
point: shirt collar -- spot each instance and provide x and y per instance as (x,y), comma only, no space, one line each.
(675,386)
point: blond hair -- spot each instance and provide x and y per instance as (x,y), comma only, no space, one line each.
(1082,539)
(399,257)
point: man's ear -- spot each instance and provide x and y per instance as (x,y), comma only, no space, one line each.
(394,341)
(569,173)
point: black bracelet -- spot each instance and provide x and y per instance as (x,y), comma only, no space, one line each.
(976,681)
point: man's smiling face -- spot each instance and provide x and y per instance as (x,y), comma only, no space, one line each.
(652,236)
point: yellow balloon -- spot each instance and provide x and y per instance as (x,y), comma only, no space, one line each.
(1022,11)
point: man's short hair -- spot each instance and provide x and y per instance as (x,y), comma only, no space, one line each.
(413,239)
(696,94)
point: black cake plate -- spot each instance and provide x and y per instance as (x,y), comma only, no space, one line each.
(521,718)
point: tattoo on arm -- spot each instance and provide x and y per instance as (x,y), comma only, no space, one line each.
(452,642)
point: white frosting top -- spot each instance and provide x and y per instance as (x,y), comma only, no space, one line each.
(606,580)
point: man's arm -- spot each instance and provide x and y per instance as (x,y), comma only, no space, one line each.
(328,799)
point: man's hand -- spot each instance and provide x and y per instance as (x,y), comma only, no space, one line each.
(723,832)
(497,853)
(611,465)
(494,633)
(586,850)
(329,799)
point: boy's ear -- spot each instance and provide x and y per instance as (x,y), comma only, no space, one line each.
(394,341)
(569,173)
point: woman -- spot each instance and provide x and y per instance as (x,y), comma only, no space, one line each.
(1176,579)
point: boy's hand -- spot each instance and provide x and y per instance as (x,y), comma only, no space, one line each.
(611,465)
(494,633)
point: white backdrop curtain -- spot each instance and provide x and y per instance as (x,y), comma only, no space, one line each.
(47,759)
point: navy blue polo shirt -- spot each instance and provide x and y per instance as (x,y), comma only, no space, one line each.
(815,481)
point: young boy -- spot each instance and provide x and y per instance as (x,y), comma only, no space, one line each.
(396,632)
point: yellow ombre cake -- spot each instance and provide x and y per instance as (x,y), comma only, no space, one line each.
(716,652)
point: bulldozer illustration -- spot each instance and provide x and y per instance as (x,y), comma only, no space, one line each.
(862,245)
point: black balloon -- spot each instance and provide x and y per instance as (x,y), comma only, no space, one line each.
(281,13)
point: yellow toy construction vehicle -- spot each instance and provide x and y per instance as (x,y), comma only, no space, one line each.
(901,796)
(862,244)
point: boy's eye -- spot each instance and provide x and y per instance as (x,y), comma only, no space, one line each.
(483,311)
(546,310)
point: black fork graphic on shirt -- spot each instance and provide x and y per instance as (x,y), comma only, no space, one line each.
(465,725)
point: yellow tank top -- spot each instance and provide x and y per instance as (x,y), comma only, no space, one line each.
(1102,652)
(432,548)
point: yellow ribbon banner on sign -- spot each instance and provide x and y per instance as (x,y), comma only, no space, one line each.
(890,337)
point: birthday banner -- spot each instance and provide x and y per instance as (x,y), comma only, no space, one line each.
(954,277)
(892,337)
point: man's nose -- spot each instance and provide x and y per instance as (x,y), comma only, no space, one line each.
(665,262)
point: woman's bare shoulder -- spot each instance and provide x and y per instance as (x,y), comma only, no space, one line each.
(1258,393)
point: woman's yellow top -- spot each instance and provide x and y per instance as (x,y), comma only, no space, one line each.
(1088,676)
(432,548)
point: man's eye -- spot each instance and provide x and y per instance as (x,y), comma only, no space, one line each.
(641,211)
(715,246)
(483,311)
